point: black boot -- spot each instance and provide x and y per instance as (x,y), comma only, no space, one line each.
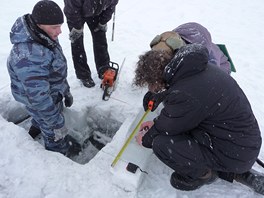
(34,131)
(74,147)
(88,82)
(187,183)
(252,179)
(68,146)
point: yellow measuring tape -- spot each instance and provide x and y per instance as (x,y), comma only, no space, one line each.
(129,139)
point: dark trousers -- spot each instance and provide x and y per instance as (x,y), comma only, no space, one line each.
(192,154)
(181,153)
(100,48)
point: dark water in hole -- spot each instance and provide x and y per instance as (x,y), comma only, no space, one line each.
(101,128)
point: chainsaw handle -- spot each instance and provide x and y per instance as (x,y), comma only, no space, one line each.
(107,92)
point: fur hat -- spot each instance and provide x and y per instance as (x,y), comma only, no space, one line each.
(167,41)
(47,12)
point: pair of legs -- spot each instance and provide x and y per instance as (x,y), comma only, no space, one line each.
(100,48)
(181,153)
(196,165)
(189,160)
(66,145)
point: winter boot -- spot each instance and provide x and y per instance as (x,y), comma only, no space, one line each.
(74,147)
(252,179)
(187,183)
(34,131)
(88,82)
(68,146)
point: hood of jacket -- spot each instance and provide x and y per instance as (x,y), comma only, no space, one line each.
(19,32)
(25,30)
(188,61)
(195,33)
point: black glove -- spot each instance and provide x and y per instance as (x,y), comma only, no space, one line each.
(68,99)
(101,27)
(157,98)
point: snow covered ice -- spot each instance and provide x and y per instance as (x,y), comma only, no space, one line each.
(28,170)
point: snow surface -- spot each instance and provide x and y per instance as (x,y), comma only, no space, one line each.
(28,170)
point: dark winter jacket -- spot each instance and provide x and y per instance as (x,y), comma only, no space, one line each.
(77,10)
(196,33)
(208,104)
(38,71)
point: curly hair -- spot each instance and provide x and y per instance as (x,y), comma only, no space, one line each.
(150,67)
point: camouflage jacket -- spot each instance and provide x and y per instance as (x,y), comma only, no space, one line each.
(38,71)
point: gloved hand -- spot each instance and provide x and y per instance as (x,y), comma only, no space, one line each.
(157,98)
(75,34)
(60,133)
(145,126)
(68,99)
(101,27)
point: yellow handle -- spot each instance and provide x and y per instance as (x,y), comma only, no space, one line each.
(129,139)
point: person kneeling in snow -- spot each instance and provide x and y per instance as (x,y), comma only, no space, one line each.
(206,125)
(38,71)
(189,33)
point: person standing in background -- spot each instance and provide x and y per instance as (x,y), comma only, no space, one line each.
(96,14)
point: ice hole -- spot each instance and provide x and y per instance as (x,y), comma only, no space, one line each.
(93,128)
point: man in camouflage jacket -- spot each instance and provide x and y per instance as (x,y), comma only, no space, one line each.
(38,71)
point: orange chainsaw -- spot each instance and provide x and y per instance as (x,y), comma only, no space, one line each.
(109,80)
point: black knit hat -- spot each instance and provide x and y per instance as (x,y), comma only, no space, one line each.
(47,12)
